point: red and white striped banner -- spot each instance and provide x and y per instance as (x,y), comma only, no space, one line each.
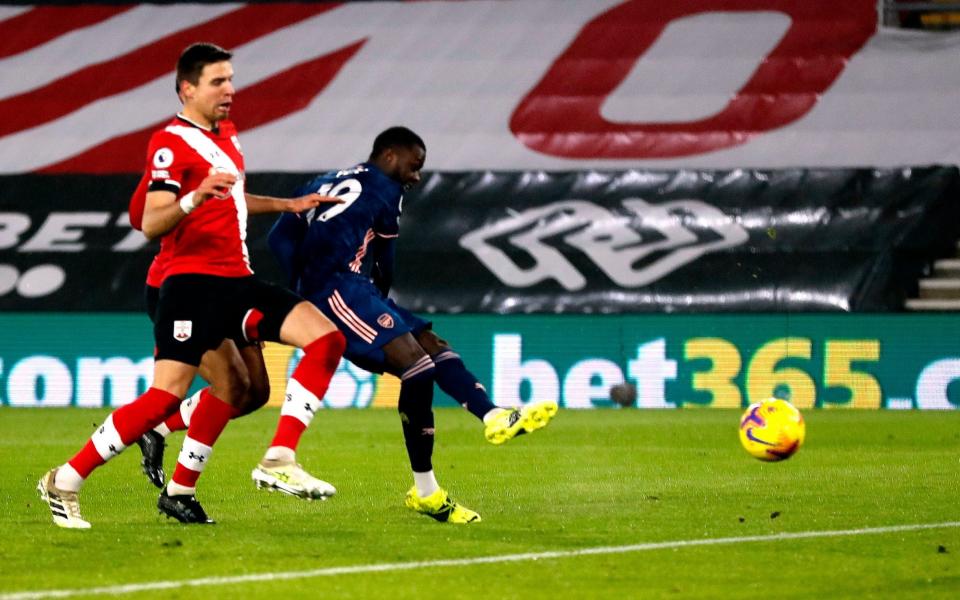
(537,84)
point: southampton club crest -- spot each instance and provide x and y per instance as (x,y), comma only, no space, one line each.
(182,330)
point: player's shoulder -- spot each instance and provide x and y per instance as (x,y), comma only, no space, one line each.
(368,179)
(314,184)
(166,136)
(359,171)
(166,130)
(167,146)
(376,181)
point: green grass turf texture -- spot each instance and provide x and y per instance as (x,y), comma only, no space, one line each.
(592,478)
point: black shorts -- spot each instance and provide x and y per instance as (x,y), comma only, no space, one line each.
(151,296)
(195,313)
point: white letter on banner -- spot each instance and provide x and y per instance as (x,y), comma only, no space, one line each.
(23,382)
(650,372)
(11,226)
(933,382)
(509,372)
(61,233)
(125,377)
(579,391)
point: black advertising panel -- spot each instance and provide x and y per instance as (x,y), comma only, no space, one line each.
(66,243)
(644,241)
(546,242)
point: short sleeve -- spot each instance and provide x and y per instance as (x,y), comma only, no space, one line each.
(168,159)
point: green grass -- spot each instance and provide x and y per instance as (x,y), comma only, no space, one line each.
(593,478)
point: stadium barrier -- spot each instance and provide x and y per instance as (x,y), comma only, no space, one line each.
(599,242)
(883,361)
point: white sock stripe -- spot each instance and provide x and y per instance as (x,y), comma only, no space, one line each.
(194,455)
(299,402)
(347,314)
(424,361)
(188,406)
(421,366)
(106,439)
(445,355)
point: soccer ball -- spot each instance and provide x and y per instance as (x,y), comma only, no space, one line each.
(772,429)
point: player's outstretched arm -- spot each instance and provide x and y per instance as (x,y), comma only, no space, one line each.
(258,205)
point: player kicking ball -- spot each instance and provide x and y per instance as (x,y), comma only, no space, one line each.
(341,260)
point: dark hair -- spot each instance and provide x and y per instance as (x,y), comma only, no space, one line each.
(195,57)
(395,137)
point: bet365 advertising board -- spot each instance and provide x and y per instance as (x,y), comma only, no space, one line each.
(892,361)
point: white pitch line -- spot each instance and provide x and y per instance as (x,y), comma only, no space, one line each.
(461,562)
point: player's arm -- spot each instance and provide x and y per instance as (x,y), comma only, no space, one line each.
(137,202)
(384,249)
(284,240)
(164,210)
(257,205)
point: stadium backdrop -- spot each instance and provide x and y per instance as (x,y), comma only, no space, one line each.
(713,230)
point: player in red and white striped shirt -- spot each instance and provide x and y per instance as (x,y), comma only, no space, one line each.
(246,383)
(196,204)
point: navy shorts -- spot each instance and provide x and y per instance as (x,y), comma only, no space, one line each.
(367,319)
(195,313)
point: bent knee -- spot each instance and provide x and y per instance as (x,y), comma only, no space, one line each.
(257,395)
(432,342)
(231,384)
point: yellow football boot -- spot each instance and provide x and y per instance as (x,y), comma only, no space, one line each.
(439,506)
(511,422)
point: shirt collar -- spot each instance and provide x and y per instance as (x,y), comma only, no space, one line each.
(214,130)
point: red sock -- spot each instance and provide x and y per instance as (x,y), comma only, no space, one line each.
(123,427)
(175,422)
(312,375)
(289,430)
(208,422)
(144,413)
(86,460)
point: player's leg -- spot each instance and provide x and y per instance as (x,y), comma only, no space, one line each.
(233,372)
(199,311)
(208,421)
(411,363)
(453,377)
(378,337)
(287,318)
(152,442)
(60,486)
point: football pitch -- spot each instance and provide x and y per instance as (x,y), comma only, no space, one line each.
(601,504)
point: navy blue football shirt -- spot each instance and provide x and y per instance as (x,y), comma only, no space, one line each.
(352,237)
